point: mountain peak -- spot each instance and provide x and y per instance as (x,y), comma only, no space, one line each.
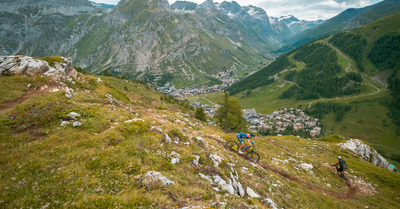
(45,7)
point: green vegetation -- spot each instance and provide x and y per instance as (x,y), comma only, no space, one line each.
(320,77)
(321,109)
(262,77)
(52,60)
(352,44)
(100,164)
(229,115)
(394,104)
(200,114)
(385,53)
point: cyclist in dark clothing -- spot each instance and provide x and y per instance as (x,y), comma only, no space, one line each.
(342,165)
(241,136)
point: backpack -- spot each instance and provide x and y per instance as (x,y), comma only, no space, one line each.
(343,164)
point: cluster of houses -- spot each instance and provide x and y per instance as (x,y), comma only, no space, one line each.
(283,120)
(196,90)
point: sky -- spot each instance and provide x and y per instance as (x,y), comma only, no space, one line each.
(302,9)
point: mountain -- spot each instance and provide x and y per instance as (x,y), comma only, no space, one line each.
(105,6)
(295,25)
(183,43)
(350,18)
(45,27)
(46,7)
(102,142)
(346,79)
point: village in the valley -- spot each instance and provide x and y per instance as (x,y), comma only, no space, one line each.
(285,121)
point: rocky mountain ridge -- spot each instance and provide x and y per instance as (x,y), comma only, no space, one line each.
(148,40)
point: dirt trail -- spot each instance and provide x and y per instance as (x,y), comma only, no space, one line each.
(351,192)
(273,142)
(29,94)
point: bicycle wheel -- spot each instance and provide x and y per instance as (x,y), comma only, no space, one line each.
(345,179)
(253,156)
(232,146)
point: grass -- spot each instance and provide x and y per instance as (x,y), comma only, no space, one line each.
(100,164)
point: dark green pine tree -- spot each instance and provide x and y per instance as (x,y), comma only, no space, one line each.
(200,114)
(229,115)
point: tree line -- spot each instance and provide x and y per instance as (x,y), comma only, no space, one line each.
(321,77)
(262,77)
(352,44)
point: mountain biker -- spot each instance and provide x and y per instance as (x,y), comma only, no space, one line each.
(241,136)
(342,165)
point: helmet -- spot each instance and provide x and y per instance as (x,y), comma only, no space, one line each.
(338,157)
(252,135)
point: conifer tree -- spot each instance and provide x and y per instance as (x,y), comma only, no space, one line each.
(200,114)
(229,115)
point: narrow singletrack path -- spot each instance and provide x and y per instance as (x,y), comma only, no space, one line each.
(10,104)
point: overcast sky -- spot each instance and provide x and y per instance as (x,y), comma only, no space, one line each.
(302,9)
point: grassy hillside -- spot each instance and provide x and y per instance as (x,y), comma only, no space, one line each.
(100,164)
(351,69)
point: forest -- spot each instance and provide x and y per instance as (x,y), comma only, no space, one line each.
(352,45)
(322,67)
(262,77)
(385,52)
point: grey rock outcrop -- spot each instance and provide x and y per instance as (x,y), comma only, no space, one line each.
(251,193)
(29,66)
(366,152)
(153,178)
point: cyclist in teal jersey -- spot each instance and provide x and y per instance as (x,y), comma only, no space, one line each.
(241,136)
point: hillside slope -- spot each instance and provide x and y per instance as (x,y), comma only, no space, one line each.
(348,71)
(95,145)
(349,19)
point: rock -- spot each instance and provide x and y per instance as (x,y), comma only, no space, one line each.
(251,193)
(63,123)
(366,152)
(218,205)
(99,80)
(153,178)
(69,93)
(156,129)
(224,186)
(306,166)
(200,139)
(174,157)
(216,159)
(29,66)
(134,120)
(167,139)
(237,185)
(206,178)
(77,124)
(74,115)
(270,203)
(196,160)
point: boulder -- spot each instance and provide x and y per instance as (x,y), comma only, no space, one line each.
(270,203)
(153,178)
(200,139)
(196,159)
(251,193)
(224,185)
(216,159)
(29,66)
(366,152)
(174,157)
(168,139)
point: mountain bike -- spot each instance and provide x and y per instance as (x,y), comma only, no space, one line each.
(250,155)
(343,176)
